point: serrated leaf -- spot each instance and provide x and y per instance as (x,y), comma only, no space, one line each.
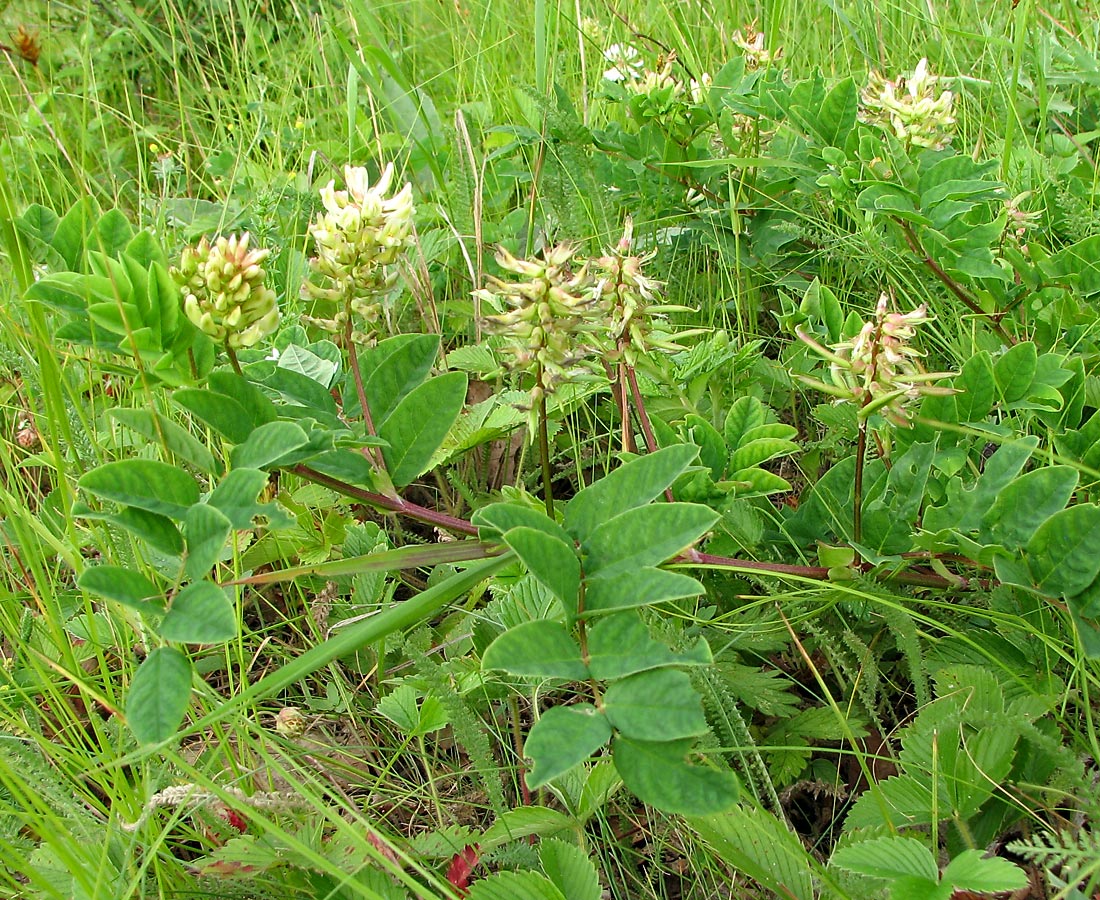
(642,587)
(756,843)
(146,484)
(1062,554)
(563,737)
(971,871)
(159,695)
(200,614)
(540,649)
(551,561)
(658,773)
(205,531)
(514,886)
(415,716)
(621,645)
(888,857)
(654,706)
(419,423)
(569,867)
(645,536)
(269,444)
(124,586)
(632,485)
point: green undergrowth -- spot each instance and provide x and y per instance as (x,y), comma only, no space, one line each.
(645,453)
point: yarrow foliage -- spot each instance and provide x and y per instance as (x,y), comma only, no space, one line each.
(222,285)
(912,108)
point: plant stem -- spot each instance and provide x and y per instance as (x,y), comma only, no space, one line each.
(391,504)
(357,376)
(952,285)
(544,451)
(857,488)
(233,361)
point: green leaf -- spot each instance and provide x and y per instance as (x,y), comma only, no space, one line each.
(712,448)
(418,425)
(124,586)
(514,886)
(645,536)
(654,706)
(551,561)
(888,857)
(498,518)
(73,230)
(200,614)
(112,232)
(1062,554)
(224,414)
(569,867)
(205,530)
(837,114)
(621,645)
(259,409)
(756,843)
(236,494)
(642,587)
(159,531)
(976,381)
(159,695)
(177,440)
(414,715)
(630,486)
(306,362)
(268,445)
(146,484)
(1026,503)
(971,871)
(563,737)
(1015,371)
(392,370)
(747,413)
(523,821)
(752,453)
(659,774)
(539,649)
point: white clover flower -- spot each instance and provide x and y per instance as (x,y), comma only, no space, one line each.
(626,63)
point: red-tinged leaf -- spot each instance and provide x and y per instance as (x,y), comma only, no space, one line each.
(382,847)
(225,868)
(231,817)
(462,867)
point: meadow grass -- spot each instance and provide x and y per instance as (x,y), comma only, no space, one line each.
(194,116)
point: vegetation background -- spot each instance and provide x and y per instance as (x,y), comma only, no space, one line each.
(910,714)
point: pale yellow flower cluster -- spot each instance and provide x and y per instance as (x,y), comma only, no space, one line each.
(223,291)
(913,108)
(751,44)
(878,369)
(360,233)
(549,305)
